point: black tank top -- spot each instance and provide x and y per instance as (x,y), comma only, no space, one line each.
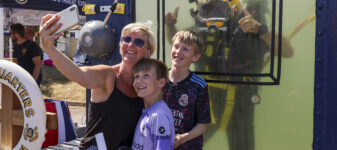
(116,117)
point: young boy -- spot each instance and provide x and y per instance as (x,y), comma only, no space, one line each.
(187,93)
(155,129)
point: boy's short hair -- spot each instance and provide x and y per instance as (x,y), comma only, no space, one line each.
(190,37)
(18,28)
(147,63)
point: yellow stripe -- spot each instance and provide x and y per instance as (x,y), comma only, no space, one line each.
(230,100)
(211,111)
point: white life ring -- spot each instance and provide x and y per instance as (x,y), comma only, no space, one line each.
(34,110)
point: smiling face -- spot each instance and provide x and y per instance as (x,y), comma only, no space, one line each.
(147,85)
(130,51)
(183,54)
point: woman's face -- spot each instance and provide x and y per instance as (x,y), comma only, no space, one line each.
(134,47)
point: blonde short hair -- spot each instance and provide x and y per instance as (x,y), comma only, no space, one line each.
(191,38)
(141,27)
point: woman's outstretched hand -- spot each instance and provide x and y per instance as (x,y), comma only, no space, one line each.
(48,27)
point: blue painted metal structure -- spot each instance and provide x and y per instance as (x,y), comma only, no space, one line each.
(325,111)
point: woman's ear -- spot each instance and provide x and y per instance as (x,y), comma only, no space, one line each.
(147,54)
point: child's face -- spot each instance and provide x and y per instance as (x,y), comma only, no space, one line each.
(146,83)
(182,54)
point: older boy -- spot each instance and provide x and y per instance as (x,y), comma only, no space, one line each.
(155,130)
(187,93)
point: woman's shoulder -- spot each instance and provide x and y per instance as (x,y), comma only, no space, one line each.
(115,68)
(106,68)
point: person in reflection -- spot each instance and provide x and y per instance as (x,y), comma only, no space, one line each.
(237,41)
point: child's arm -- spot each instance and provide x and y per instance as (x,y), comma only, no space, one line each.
(196,131)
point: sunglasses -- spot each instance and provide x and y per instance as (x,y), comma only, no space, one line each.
(136,42)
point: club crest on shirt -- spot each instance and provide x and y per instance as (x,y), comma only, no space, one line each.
(161,130)
(24,51)
(183,100)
